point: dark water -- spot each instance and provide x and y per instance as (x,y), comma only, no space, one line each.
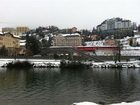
(64,87)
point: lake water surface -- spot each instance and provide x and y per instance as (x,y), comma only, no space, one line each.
(64,87)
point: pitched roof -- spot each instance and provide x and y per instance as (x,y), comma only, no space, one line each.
(14,36)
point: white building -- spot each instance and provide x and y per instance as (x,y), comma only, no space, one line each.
(115,23)
(128,50)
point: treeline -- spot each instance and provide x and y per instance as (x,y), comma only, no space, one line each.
(116,34)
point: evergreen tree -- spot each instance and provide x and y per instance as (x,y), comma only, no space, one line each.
(94,31)
(139,28)
(85,32)
(33,45)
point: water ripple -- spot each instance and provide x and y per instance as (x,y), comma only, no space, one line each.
(56,87)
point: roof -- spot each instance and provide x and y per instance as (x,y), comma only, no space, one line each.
(74,34)
(14,36)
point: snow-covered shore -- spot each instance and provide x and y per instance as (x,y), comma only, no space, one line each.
(123,103)
(36,62)
(112,64)
(56,63)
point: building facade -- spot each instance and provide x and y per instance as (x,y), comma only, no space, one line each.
(9,30)
(115,23)
(15,31)
(100,48)
(22,29)
(9,41)
(74,29)
(67,40)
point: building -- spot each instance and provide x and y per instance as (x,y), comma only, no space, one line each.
(74,29)
(99,48)
(111,42)
(67,40)
(10,42)
(115,23)
(9,30)
(22,29)
(15,31)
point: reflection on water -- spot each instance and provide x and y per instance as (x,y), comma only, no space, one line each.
(64,87)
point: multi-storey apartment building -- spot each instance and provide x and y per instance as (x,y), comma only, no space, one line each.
(67,40)
(21,29)
(15,31)
(115,23)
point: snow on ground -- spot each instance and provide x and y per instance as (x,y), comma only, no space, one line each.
(84,103)
(35,61)
(131,103)
(123,103)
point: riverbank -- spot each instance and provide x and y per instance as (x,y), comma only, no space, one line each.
(44,63)
(123,103)
(112,64)
(36,62)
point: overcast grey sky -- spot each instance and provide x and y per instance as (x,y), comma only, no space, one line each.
(66,13)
